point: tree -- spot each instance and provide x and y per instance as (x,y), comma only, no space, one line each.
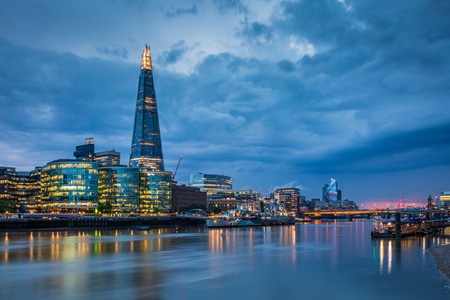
(105,207)
(7,206)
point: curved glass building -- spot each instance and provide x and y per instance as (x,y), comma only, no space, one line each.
(69,186)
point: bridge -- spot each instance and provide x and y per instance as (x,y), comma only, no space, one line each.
(369,213)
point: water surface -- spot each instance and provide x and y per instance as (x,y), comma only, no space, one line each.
(333,260)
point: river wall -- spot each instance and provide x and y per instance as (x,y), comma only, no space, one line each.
(95,222)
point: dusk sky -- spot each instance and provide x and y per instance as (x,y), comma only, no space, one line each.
(272,93)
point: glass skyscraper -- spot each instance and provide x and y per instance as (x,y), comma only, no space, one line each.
(146,148)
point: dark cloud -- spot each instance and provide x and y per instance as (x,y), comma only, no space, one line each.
(231,6)
(118,52)
(286,66)
(258,33)
(174,54)
(355,90)
(176,12)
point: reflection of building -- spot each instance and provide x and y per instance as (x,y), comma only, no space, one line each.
(288,200)
(443,200)
(185,197)
(120,187)
(69,185)
(211,183)
(146,148)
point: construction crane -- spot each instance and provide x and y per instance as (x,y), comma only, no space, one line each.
(176,169)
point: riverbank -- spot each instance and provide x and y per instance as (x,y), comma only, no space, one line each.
(75,223)
(441,255)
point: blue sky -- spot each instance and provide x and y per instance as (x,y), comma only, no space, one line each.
(272,93)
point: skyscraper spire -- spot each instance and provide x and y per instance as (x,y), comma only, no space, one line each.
(146,60)
(146,148)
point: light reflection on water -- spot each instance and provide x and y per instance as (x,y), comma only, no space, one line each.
(318,261)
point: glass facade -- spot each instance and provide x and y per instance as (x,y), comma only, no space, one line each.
(69,186)
(120,187)
(146,148)
(21,189)
(288,200)
(211,183)
(443,200)
(155,192)
(107,158)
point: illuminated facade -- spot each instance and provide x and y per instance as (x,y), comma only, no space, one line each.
(211,183)
(331,192)
(443,200)
(288,200)
(107,158)
(119,186)
(69,186)
(225,200)
(21,189)
(155,192)
(146,148)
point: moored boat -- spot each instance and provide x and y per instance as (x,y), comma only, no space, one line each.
(249,221)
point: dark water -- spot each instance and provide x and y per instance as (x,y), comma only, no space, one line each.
(336,260)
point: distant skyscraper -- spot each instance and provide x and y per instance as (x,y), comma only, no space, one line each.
(331,192)
(211,183)
(146,148)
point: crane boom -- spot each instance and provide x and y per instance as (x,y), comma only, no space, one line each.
(176,169)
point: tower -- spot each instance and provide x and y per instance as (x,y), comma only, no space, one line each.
(146,148)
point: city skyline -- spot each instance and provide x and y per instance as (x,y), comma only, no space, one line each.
(274,94)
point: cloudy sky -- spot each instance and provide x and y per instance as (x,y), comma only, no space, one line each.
(273,93)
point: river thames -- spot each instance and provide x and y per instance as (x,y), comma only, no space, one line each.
(322,260)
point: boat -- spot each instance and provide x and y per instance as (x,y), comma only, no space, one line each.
(382,234)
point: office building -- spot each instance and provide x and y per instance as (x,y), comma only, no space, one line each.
(331,191)
(443,200)
(118,187)
(225,200)
(146,148)
(185,198)
(288,200)
(69,186)
(85,152)
(211,183)
(155,192)
(109,158)
(20,189)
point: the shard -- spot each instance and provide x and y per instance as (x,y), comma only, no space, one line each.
(146,148)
